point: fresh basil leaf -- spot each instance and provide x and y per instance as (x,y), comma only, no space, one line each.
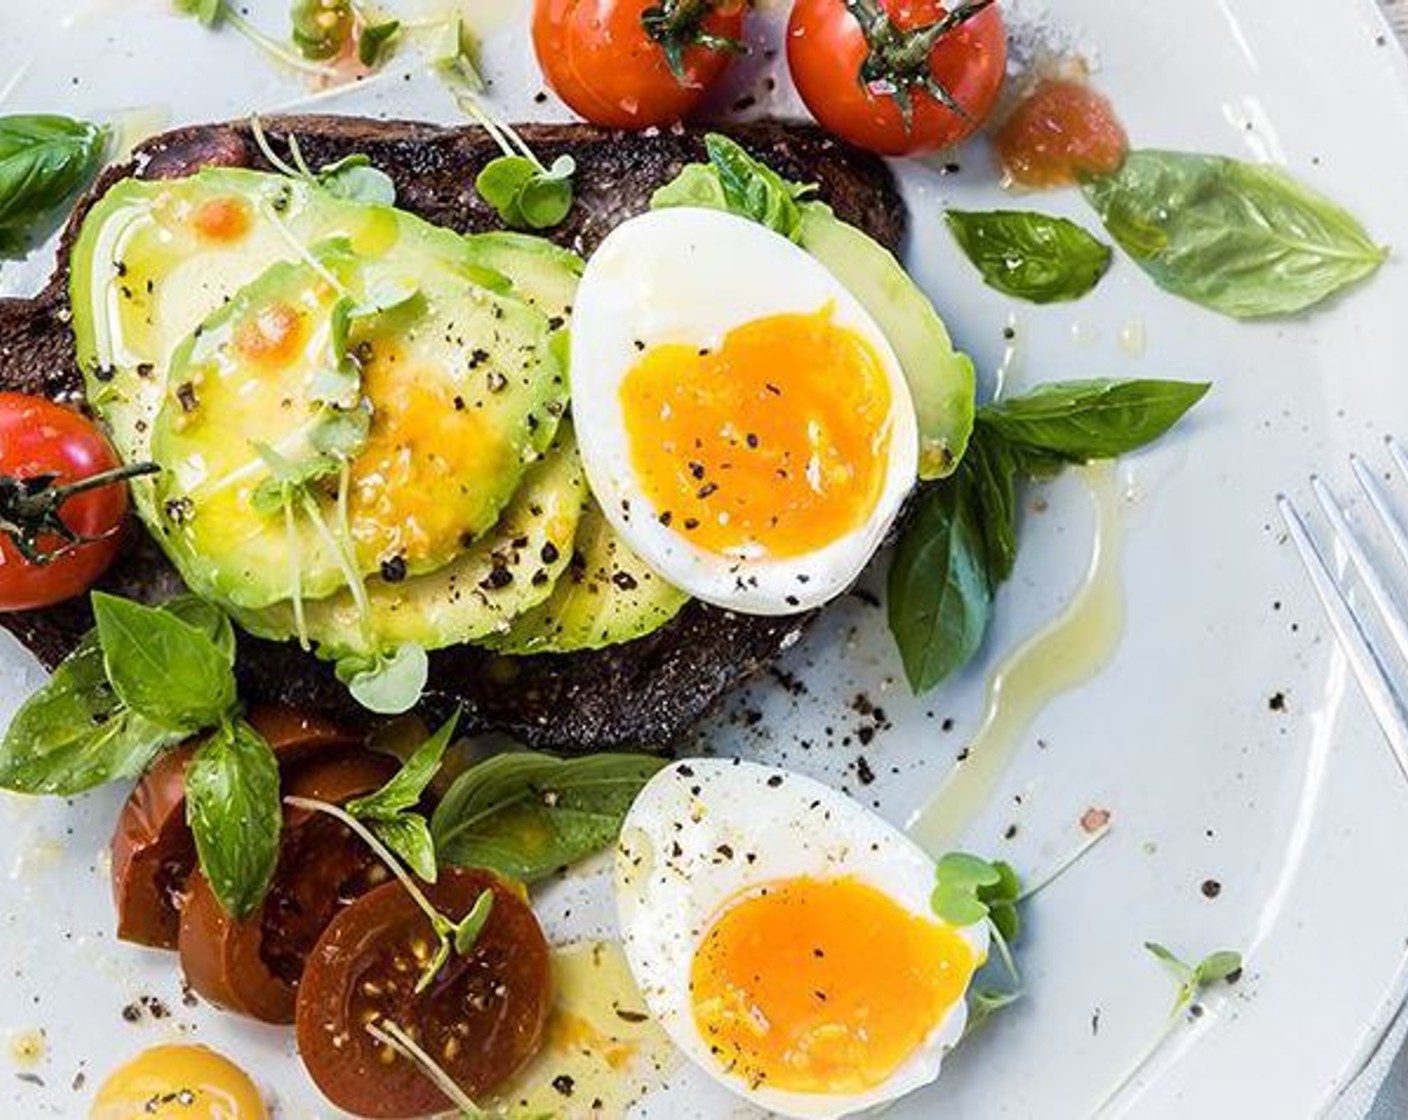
(993,468)
(1030,256)
(356,180)
(44,161)
(163,668)
(404,789)
(76,733)
(209,619)
(468,928)
(375,41)
(390,683)
(753,189)
(321,28)
(940,588)
(1242,239)
(527,815)
(1085,420)
(408,836)
(207,12)
(232,806)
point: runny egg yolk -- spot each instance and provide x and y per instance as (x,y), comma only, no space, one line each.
(823,985)
(774,443)
(189,1082)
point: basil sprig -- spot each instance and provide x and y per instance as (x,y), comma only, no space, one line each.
(961,541)
(44,161)
(1028,255)
(527,815)
(1243,239)
(144,679)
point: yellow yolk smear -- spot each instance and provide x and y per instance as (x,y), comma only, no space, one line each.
(776,441)
(823,986)
(190,1082)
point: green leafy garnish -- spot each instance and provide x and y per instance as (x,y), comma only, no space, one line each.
(375,41)
(524,193)
(455,57)
(389,811)
(206,12)
(1030,256)
(215,13)
(163,667)
(527,815)
(1194,979)
(754,189)
(352,177)
(960,543)
(1243,239)
(321,28)
(44,161)
(232,806)
(388,683)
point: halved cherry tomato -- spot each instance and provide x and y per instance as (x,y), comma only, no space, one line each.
(856,82)
(611,60)
(152,848)
(481,1018)
(1062,130)
(253,966)
(58,536)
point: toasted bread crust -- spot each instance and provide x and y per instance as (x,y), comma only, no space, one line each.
(642,694)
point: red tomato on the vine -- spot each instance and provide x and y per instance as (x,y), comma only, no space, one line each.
(897,76)
(635,63)
(57,536)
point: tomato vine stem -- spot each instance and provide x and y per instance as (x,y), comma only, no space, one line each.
(678,25)
(32,507)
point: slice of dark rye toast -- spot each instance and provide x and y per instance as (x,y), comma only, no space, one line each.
(641,694)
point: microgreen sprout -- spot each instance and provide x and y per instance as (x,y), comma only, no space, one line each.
(969,890)
(453,936)
(212,13)
(352,178)
(1221,967)
(393,1037)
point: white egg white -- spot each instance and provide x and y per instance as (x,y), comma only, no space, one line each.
(692,275)
(704,832)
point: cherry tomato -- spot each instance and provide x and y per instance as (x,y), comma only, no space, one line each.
(481,1018)
(152,847)
(603,58)
(1062,130)
(856,88)
(61,544)
(253,966)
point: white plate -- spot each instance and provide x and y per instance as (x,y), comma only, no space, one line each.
(1298,814)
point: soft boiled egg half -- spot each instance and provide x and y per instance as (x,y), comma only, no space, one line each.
(744,423)
(782,934)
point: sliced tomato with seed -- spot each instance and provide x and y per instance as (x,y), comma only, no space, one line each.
(152,848)
(480,1019)
(253,966)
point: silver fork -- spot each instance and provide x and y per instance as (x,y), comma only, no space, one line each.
(1382,686)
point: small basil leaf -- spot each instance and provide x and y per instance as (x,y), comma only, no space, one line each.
(408,836)
(940,587)
(232,806)
(388,684)
(375,41)
(1243,239)
(404,789)
(992,468)
(1028,255)
(161,667)
(44,161)
(205,617)
(527,815)
(753,189)
(76,733)
(1085,420)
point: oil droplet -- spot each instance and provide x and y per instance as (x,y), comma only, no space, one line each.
(1134,338)
(1084,334)
(603,1051)
(27,1047)
(1068,652)
(1010,367)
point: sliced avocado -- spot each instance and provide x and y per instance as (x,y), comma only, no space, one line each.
(940,378)
(607,595)
(506,572)
(544,274)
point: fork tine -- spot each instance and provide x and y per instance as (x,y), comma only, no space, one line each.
(1387,704)
(1373,582)
(1379,500)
